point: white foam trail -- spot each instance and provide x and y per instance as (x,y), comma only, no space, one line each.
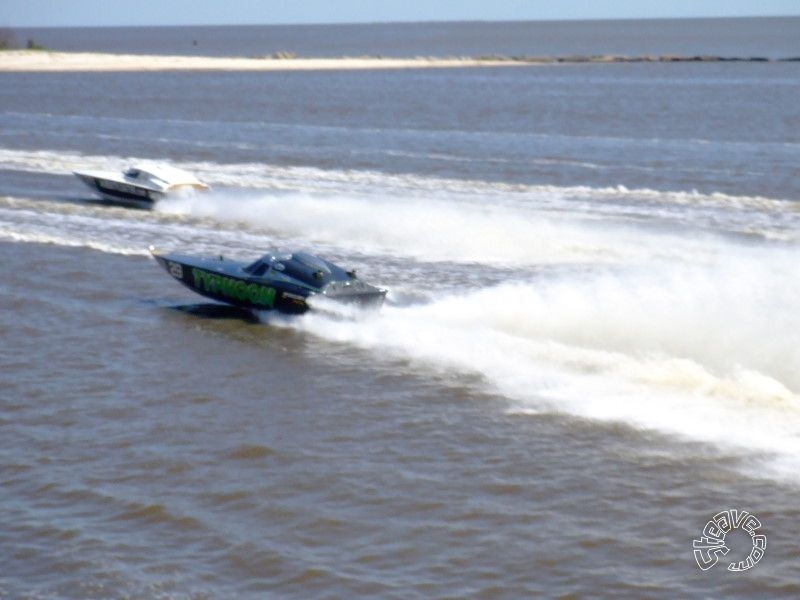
(452,230)
(708,354)
(33,223)
(425,229)
(766,217)
(70,242)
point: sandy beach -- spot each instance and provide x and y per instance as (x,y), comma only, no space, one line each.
(44,61)
(38,60)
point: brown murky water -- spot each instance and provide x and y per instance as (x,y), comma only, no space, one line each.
(147,452)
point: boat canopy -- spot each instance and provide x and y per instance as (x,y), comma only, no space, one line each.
(302,266)
(164,175)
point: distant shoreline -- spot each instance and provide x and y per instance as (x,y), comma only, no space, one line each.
(25,60)
(46,61)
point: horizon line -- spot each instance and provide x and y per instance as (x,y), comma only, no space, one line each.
(403,22)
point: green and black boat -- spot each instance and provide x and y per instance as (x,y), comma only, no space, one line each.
(281,281)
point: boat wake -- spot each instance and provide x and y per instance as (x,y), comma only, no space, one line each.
(673,312)
(704,355)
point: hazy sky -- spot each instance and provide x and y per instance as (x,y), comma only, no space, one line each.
(29,13)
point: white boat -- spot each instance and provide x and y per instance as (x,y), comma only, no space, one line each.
(141,185)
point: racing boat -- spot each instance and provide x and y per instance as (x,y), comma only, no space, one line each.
(140,185)
(281,281)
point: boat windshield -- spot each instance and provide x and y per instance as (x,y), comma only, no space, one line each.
(257,268)
(133,173)
(267,263)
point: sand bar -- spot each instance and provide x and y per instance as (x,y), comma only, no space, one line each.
(43,60)
(38,60)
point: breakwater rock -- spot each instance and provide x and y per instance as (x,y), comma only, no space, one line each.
(613,58)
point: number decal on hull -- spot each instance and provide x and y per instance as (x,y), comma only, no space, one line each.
(176,270)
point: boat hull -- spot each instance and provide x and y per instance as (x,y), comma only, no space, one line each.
(122,192)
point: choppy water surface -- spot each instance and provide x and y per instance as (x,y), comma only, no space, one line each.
(590,346)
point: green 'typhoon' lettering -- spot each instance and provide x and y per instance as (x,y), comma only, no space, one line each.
(232,288)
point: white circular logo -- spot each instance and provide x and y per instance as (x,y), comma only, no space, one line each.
(712,543)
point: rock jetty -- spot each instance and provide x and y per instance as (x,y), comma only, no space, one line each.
(615,58)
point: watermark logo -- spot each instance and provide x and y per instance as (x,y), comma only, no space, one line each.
(712,543)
